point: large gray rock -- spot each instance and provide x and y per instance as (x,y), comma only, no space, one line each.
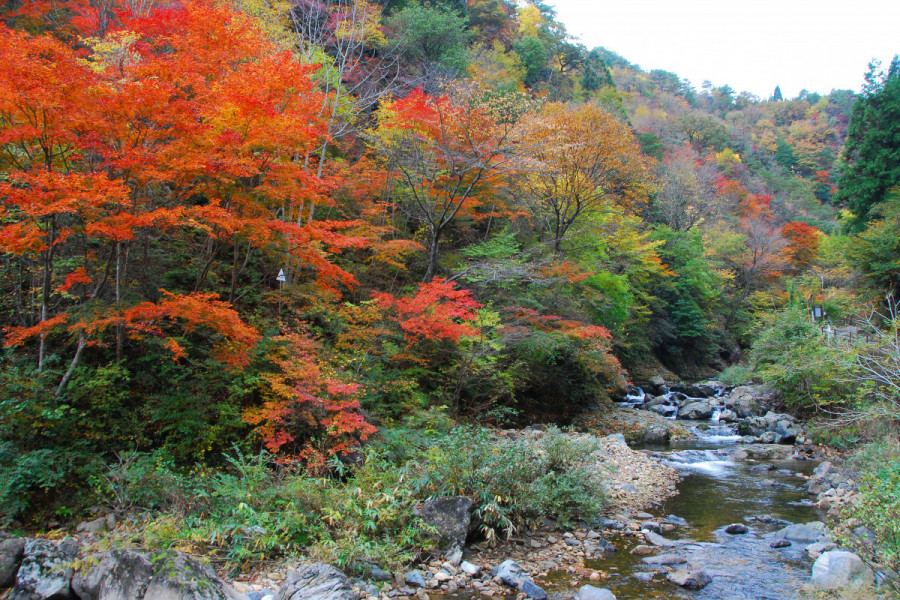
(589,592)
(451,517)
(803,533)
(753,399)
(121,575)
(838,569)
(131,575)
(513,575)
(46,571)
(696,411)
(742,402)
(317,581)
(11,552)
(178,576)
(693,580)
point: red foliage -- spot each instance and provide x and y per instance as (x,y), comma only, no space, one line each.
(308,412)
(802,244)
(438,311)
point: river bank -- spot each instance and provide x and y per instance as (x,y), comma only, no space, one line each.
(701,516)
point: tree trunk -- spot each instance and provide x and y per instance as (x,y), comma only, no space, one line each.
(82,342)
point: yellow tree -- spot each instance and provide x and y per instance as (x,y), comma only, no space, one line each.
(581,159)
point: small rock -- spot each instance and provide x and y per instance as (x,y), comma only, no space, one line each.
(651,526)
(416,578)
(762,468)
(589,592)
(675,520)
(657,540)
(469,568)
(511,573)
(665,560)
(645,577)
(819,548)
(737,529)
(780,544)
(693,580)
(95,526)
(643,516)
(644,550)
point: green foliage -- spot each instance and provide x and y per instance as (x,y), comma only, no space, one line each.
(255,510)
(431,34)
(871,164)
(878,510)
(791,352)
(875,252)
(516,482)
(534,58)
(687,300)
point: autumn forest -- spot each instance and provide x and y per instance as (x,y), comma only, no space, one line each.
(295,228)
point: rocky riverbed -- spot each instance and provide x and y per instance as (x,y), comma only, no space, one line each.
(713,514)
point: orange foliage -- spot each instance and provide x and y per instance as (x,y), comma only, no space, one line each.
(308,412)
(802,244)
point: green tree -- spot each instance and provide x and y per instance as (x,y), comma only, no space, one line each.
(871,164)
(426,34)
(534,57)
(776,96)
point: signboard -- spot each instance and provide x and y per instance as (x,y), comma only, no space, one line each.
(281,276)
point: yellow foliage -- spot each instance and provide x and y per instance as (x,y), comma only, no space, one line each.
(530,21)
(271,16)
(114,50)
(496,69)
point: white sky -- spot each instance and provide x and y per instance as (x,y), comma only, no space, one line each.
(751,45)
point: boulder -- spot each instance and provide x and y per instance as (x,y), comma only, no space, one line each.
(838,569)
(95,526)
(512,574)
(589,592)
(737,529)
(451,517)
(742,402)
(316,581)
(121,575)
(808,533)
(130,575)
(696,411)
(658,385)
(11,552)
(178,576)
(46,571)
(728,416)
(693,580)
(751,400)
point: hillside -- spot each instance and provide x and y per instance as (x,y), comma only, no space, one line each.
(301,230)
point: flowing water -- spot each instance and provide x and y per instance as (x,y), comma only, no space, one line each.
(718,490)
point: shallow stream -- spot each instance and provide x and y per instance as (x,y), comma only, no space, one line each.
(716,492)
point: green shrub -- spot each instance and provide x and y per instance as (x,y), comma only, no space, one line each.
(792,354)
(515,482)
(254,509)
(878,510)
